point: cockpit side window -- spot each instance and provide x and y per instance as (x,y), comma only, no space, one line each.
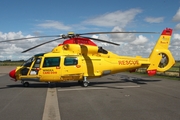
(70,61)
(51,62)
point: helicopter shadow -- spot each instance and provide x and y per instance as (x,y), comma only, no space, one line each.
(139,81)
(70,84)
(32,85)
(136,80)
(112,79)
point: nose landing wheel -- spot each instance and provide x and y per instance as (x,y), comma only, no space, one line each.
(25,84)
(85,83)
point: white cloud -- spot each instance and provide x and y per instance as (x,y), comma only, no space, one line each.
(10,35)
(127,49)
(131,45)
(140,46)
(140,40)
(176,36)
(175,40)
(103,37)
(154,20)
(117,18)
(176,17)
(122,36)
(12,50)
(115,37)
(177,27)
(54,25)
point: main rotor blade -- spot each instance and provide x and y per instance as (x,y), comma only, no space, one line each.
(102,40)
(91,33)
(30,38)
(40,45)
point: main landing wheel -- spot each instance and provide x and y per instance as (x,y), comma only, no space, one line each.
(85,84)
(26,84)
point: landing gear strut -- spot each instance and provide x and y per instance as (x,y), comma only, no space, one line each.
(84,82)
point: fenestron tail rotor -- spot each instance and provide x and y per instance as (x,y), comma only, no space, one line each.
(164,60)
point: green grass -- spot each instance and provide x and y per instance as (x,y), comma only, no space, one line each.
(159,76)
(176,67)
(172,73)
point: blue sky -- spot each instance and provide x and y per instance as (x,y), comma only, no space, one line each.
(22,18)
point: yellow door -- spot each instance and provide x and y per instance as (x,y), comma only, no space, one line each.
(50,70)
(72,68)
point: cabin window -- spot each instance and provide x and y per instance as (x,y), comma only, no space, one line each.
(51,62)
(70,61)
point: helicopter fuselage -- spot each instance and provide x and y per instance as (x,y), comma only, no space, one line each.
(77,60)
(74,61)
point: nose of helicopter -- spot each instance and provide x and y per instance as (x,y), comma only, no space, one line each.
(12,74)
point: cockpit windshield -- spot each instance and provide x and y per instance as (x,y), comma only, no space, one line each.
(29,62)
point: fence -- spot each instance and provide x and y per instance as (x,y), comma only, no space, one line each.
(174,71)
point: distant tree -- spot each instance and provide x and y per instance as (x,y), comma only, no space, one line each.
(7,60)
(21,60)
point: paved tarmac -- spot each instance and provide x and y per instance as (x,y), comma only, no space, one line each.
(6,69)
(122,96)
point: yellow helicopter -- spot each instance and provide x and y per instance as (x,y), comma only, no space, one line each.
(80,59)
